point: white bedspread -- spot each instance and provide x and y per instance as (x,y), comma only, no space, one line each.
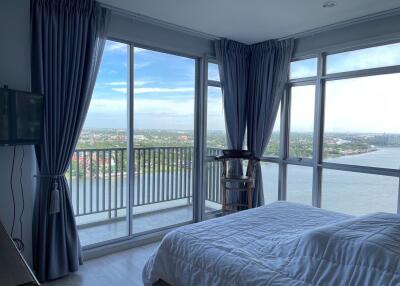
(281,244)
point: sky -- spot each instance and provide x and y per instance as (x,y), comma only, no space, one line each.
(164,92)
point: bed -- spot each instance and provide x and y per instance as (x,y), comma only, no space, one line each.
(281,244)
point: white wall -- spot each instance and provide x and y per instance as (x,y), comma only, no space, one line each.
(15,72)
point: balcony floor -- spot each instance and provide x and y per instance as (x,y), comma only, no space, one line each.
(107,229)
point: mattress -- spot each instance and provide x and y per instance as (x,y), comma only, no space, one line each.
(280,244)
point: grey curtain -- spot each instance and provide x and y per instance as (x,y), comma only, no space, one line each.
(67,41)
(269,69)
(233,61)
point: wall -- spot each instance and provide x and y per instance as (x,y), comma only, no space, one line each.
(375,31)
(130,29)
(15,72)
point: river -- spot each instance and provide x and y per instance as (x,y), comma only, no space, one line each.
(348,192)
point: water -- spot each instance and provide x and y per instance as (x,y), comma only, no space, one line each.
(347,192)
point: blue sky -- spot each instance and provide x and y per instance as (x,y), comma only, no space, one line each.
(164,92)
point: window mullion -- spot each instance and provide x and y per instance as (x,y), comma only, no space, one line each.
(284,144)
(318,132)
(131,150)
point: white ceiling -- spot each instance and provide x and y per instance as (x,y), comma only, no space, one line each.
(252,21)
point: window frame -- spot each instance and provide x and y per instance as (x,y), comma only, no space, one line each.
(317,162)
(132,238)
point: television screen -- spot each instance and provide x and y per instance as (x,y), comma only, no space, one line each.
(20,117)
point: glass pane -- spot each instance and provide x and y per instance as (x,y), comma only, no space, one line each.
(97,174)
(163,138)
(216,141)
(362,121)
(213,72)
(302,121)
(299,184)
(270,176)
(216,130)
(375,57)
(303,68)
(359,194)
(273,146)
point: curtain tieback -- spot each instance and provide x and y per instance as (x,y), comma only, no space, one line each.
(54,206)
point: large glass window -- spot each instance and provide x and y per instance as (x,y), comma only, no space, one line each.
(357,163)
(302,101)
(362,121)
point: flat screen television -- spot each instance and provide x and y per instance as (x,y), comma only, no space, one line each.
(21,117)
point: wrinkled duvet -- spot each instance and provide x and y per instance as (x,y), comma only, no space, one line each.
(281,244)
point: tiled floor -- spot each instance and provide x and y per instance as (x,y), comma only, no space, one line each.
(141,223)
(146,219)
(120,269)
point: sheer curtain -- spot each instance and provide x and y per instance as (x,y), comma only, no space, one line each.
(67,41)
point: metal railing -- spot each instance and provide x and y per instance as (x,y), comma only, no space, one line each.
(98,178)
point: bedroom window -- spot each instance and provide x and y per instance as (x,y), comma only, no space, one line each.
(340,130)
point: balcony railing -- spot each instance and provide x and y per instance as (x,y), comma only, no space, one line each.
(98,178)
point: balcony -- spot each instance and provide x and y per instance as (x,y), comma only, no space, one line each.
(162,191)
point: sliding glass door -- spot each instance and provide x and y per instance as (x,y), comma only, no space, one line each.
(132,171)
(98,170)
(164,98)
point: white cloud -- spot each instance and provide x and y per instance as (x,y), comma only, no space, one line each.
(124,83)
(138,50)
(142,90)
(142,82)
(139,66)
(120,89)
(116,83)
(121,47)
(116,47)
